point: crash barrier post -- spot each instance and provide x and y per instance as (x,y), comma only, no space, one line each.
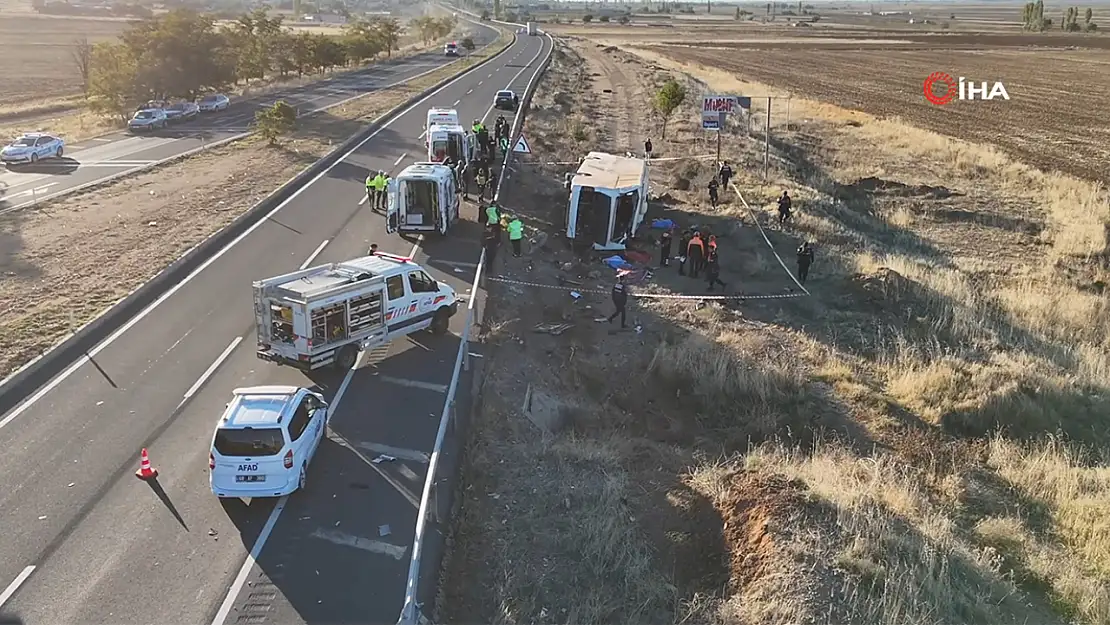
(84,342)
(410,611)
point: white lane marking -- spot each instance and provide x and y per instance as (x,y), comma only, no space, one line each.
(427,386)
(399,159)
(471,91)
(103,139)
(491,75)
(456,103)
(396,452)
(49,386)
(458,263)
(474,355)
(414,383)
(32,192)
(212,368)
(256,550)
(358,542)
(245,134)
(314,254)
(422,133)
(513,79)
(416,246)
(14,586)
(363,200)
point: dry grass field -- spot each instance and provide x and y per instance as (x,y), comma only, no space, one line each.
(1051,78)
(37,68)
(40,81)
(921,440)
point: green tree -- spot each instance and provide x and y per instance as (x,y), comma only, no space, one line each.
(113,75)
(468,44)
(667,100)
(603,18)
(275,121)
(82,58)
(389,33)
(362,41)
(587,18)
(178,54)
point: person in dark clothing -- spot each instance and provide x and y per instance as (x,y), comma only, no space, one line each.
(695,254)
(491,241)
(665,241)
(620,301)
(713,271)
(725,174)
(784,207)
(713,192)
(683,245)
(647,148)
(805,259)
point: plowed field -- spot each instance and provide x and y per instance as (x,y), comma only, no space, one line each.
(1055,117)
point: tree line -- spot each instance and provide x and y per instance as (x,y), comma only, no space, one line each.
(184,54)
(1032,18)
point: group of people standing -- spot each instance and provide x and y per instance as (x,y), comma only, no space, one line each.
(495,224)
(697,251)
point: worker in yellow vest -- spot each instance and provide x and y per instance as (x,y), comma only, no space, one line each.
(516,234)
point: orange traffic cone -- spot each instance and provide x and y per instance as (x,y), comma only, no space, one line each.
(145,471)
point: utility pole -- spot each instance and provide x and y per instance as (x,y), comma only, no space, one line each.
(767,141)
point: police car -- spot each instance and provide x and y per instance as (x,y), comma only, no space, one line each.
(265,441)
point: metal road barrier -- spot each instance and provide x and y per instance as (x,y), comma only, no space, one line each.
(84,341)
(410,611)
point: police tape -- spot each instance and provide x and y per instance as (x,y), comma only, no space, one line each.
(767,239)
(558,287)
(650,160)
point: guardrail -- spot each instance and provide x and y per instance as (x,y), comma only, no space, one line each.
(69,351)
(410,611)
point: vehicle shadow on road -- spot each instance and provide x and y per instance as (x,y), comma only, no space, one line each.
(55,166)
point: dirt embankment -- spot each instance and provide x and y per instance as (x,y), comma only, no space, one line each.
(871,453)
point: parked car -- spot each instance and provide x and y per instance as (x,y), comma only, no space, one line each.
(213,102)
(506,100)
(181,111)
(32,147)
(147,120)
(152,104)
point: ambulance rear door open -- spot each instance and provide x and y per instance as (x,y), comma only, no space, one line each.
(391,210)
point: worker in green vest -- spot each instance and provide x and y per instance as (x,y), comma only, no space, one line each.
(493,218)
(381,183)
(516,234)
(370,190)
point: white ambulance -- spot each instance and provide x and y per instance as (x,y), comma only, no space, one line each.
(441,116)
(450,140)
(422,198)
(324,315)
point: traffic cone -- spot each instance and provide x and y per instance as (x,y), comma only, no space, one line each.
(145,472)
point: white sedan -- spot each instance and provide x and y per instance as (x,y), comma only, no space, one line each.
(265,441)
(31,148)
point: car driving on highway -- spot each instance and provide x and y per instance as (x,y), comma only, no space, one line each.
(506,100)
(147,120)
(181,111)
(32,147)
(213,102)
(265,440)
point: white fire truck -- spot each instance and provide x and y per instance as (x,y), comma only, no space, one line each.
(424,197)
(324,315)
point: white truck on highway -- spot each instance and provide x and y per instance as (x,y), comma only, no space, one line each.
(424,197)
(532,30)
(325,315)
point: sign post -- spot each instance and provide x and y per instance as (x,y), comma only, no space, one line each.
(715,110)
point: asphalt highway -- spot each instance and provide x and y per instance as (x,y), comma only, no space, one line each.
(87,542)
(95,159)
